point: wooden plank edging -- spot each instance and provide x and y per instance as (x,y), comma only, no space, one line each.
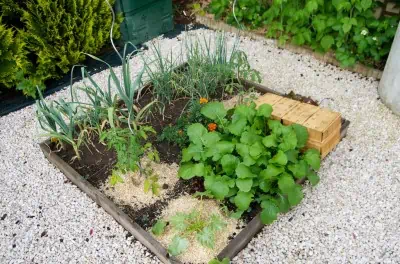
(328,57)
(137,231)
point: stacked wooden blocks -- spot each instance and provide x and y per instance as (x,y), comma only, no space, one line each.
(322,124)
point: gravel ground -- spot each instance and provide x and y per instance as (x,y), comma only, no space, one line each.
(351,216)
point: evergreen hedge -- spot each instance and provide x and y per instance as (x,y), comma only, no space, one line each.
(55,34)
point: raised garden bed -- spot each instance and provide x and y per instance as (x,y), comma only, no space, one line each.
(91,173)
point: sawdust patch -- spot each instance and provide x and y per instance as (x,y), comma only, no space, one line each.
(196,253)
(240,98)
(131,191)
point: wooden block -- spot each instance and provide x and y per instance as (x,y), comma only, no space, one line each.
(299,114)
(282,107)
(268,98)
(322,124)
(327,145)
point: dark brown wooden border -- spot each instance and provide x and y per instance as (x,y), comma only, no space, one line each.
(230,251)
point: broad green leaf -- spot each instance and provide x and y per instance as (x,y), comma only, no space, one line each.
(242,149)
(265,185)
(211,138)
(271,171)
(246,111)
(237,126)
(196,132)
(216,223)
(243,171)
(292,155)
(189,170)
(313,178)
(206,237)
(270,141)
(275,126)
(327,42)
(269,213)
(219,189)
(286,183)
(256,150)
(299,169)
(295,195)
(220,149)
(313,158)
(283,203)
(249,138)
(194,151)
(229,163)
(214,110)
(301,135)
(244,185)
(178,221)
(159,227)
(289,141)
(178,246)
(279,158)
(366,4)
(237,214)
(264,110)
(242,200)
(311,5)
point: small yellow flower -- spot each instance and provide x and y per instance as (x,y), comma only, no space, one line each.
(212,127)
(180,132)
(203,100)
(54,140)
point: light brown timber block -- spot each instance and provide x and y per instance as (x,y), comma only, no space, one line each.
(327,145)
(268,98)
(322,124)
(299,114)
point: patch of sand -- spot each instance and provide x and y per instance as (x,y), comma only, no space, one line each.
(196,253)
(247,97)
(131,191)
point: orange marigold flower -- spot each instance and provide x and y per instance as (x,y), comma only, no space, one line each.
(203,100)
(212,127)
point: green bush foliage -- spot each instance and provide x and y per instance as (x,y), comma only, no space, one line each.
(349,28)
(12,56)
(246,157)
(53,36)
(59,32)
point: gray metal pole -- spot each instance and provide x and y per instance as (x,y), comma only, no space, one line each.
(389,86)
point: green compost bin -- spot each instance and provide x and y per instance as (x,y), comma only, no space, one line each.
(144,19)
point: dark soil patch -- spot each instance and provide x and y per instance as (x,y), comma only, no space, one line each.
(96,161)
(147,216)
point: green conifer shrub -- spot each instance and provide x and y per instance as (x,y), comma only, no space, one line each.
(59,32)
(12,56)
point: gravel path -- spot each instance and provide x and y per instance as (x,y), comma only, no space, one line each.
(351,216)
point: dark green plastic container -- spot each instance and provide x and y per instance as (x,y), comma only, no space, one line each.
(144,19)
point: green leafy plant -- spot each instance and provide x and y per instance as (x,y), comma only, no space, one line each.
(187,225)
(130,148)
(176,134)
(348,28)
(246,157)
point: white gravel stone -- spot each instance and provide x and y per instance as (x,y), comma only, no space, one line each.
(351,216)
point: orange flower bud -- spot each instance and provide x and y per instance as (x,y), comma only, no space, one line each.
(203,100)
(212,127)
